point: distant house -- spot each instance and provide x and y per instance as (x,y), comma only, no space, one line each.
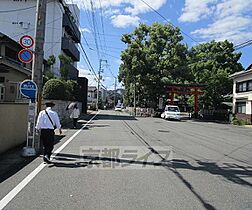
(92,95)
(242,94)
(12,71)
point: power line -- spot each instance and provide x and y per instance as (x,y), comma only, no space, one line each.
(85,57)
(167,20)
(21,9)
(242,45)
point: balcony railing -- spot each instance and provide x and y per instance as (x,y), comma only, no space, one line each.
(72,71)
(71,28)
(70,49)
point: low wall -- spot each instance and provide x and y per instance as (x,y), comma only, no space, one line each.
(13,125)
(140,112)
(60,108)
(13,121)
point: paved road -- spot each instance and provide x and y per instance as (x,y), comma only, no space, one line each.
(211,168)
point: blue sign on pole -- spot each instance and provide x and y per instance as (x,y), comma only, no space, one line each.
(25,56)
(28,88)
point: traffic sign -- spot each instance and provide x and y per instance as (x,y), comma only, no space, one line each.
(25,56)
(26,41)
(28,88)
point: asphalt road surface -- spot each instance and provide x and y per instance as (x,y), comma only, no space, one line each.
(115,162)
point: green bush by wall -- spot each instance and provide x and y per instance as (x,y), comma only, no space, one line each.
(54,89)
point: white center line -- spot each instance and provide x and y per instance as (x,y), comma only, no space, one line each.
(26,180)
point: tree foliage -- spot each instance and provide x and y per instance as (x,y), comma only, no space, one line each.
(154,55)
(65,60)
(211,64)
(54,89)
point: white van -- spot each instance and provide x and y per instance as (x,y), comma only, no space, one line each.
(171,112)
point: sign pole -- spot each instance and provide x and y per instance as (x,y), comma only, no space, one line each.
(29,89)
(37,67)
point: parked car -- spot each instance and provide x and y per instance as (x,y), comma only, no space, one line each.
(171,112)
(118,108)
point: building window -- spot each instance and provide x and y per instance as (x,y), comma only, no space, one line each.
(2,79)
(244,86)
(241,107)
(249,85)
(2,92)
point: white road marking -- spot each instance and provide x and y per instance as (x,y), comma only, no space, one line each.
(26,180)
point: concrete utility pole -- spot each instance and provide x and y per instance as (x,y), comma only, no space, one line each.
(135,96)
(99,79)
(38,57)
(115,92)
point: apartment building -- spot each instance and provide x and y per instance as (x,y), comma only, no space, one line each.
(242,94)
(62,33)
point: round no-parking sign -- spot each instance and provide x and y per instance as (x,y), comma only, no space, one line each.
(25,56)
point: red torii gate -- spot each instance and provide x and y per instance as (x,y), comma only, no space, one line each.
(186,89)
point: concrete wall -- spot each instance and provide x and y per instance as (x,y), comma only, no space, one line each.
(13,122)
(13,125)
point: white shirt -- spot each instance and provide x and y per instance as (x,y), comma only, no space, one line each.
(75,113)
(43,121)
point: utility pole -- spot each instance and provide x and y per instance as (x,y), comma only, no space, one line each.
(98,85)
(135,96)
(38,57)
(115,93)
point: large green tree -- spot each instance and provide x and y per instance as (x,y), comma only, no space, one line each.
(211,64)
(155,54)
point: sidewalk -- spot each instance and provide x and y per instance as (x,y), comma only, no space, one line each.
(12,161)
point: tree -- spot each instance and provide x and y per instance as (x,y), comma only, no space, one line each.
(66,60)
(154,54)
(211,64)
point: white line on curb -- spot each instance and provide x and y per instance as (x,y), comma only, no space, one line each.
(26,180)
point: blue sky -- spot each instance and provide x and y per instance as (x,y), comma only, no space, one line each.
(200,21)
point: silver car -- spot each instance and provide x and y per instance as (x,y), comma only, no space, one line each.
(171,112)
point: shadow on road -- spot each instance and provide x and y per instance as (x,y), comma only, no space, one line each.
(113,117)
(232,172)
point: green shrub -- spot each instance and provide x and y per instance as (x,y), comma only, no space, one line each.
(241,122)
(70,87)
(54,89)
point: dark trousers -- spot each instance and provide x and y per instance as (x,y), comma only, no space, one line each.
(47,137)
(75,122)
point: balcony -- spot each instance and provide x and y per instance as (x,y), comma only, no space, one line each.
(72,71)
(70,49)
(71,28)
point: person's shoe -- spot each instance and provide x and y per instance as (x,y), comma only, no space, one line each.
(46,159)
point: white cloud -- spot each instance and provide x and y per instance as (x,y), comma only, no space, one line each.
(85,30)
(118,10)
(138,7)
(110,12)
(86,73)
(224,29)
(231,19)
(233,7)
(195,10)
(122,21)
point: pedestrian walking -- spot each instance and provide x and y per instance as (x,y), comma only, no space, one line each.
(75,115)
(47,122)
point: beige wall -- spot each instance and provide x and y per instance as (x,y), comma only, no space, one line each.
(13,125)
(13,121)
(11,80)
